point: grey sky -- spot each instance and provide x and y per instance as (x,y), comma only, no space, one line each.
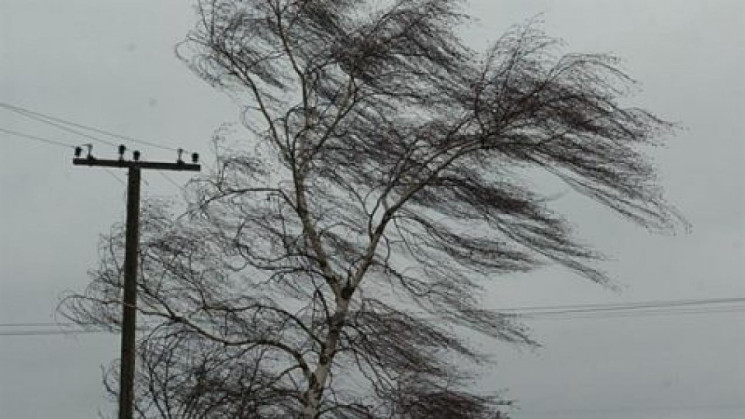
(111,65)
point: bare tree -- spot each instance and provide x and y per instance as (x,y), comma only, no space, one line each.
(325,263)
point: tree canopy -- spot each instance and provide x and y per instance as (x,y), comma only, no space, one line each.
(325,261)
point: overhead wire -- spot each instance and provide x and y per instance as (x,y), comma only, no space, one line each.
(643,304)
(61,122)
(66,145)
(112,174)
(49,121)
(170,180)
(48,332)
(57,143)
(38,324)
(27,112)
(612,310)
(37,138)
(670,307)
(624,314)
(633,409)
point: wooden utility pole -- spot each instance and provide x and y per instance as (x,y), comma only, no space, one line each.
(129,301)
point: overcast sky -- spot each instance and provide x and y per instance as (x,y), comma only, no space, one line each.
(111,65)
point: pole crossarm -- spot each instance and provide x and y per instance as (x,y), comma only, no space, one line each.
(179,165)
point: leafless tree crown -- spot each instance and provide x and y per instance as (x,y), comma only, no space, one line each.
(325,261)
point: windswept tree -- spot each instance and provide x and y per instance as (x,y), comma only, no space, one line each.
(327,261)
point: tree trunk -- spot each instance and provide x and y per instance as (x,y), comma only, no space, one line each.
(312,396)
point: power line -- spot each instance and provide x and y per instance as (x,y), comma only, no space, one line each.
(44,120)
(36,138)
(118,179)
(66,145)
(600,311)
(49,332)
(58,122)
(170,180)
(653,313)
(640,309)
(61,325)
(57,332)
(56,143)
(635,409)
(633,305)
(38,324)
(37,115)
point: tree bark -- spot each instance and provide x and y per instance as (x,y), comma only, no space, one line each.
(312,396)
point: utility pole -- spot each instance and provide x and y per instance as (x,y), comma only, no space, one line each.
(129,301)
